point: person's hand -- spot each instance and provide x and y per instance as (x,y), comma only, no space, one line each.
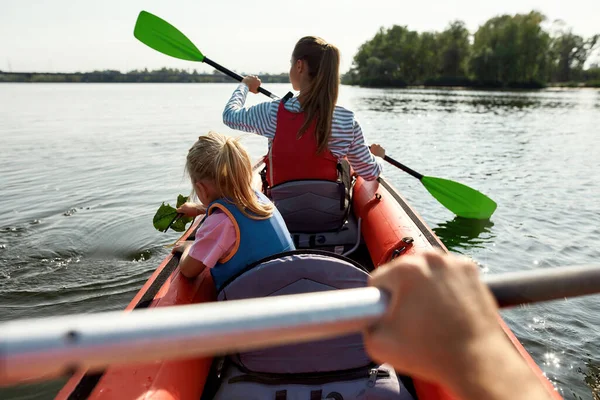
(180,247)
(377,150)
(253,82)
(440,317)
(191,209)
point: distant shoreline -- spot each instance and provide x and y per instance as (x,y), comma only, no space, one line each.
(163,75)
(181,76)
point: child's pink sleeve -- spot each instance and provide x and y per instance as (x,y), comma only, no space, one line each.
(214,239)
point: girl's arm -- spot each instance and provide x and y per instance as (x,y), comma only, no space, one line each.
(214,239)
(360,158)
(189,266)
(260,119)
(190,209)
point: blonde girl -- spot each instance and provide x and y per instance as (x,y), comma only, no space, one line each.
(241,225)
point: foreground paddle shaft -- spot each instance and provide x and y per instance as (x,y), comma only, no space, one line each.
(48,347)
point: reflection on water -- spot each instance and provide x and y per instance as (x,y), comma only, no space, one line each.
(463,233)
(465,101)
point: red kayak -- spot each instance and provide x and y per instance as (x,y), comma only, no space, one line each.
(383,226)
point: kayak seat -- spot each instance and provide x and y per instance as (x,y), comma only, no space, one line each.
(336,368)
(343,241)
(317,214)
(310,206)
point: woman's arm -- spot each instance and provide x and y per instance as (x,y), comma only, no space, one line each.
(360,157)
(260,119)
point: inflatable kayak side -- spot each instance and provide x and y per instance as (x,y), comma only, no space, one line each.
(387,219)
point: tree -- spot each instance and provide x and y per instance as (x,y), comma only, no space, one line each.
(511,51)
(569,53)
(454,48)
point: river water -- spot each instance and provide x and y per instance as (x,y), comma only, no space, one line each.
(83,168)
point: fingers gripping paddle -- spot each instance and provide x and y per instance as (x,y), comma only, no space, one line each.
(462,200)
(164,37)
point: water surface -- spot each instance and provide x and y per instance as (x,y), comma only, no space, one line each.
(83,168)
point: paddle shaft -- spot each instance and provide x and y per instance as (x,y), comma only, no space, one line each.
(48,347)
(403,167)
(236,76)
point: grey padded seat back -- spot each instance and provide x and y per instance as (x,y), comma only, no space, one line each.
(300,272)
(311,205)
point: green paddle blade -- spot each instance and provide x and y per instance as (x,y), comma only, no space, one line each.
(460,199)
(164,37)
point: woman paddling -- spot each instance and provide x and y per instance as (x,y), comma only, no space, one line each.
(308,134)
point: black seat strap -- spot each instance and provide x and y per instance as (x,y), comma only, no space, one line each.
(315,378)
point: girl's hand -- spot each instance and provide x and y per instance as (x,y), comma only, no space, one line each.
(180,247)
(377,150)
(191,209)
(253,83)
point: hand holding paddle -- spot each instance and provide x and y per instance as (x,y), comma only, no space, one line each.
(454,329)
(44,347)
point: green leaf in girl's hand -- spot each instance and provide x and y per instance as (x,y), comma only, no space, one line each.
(165,214)
(163,217)
(181,199)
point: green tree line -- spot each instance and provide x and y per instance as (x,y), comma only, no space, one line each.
(506,51)
(136,76)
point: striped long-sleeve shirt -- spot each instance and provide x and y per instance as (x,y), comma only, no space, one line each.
(347,139)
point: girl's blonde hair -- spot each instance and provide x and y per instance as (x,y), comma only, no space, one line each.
(323,60)
(224,161)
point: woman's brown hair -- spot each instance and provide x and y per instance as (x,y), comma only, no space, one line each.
(318,101)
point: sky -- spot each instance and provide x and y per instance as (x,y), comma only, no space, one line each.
(246,36)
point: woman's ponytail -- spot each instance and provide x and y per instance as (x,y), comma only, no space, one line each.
(318,102)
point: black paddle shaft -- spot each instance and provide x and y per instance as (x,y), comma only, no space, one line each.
(235,76)
(515,288)
(403,167)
